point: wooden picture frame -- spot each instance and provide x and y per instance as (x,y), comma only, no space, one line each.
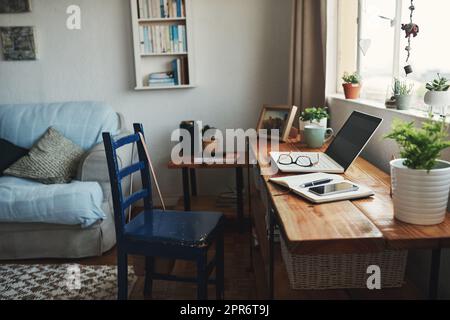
(285,116)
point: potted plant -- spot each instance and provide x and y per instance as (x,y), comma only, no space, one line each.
(314,116)
(352,85)
(438,94)
(402,91)
(420,182)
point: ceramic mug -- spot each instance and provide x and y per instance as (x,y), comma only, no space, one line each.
(316,137)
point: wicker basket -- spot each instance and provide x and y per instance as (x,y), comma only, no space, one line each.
(345,271)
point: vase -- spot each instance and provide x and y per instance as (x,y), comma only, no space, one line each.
(420,197)
(352,91)
(403,102)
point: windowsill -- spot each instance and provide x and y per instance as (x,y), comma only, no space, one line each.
(420,115)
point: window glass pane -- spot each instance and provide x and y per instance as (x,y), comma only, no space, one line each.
(348,39)
(431,48)
(376,45)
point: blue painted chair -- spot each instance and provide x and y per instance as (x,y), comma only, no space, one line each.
(155,233)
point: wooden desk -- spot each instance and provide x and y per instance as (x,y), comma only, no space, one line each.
(190,180)
(359,226)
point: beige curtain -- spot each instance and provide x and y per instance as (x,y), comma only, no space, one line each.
(308,53)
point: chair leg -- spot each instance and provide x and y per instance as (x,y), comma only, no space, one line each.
(202,277)
(220,268)
(149,270)
(122,275)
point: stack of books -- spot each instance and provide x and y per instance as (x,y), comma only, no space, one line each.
(157,9)
(163,39)
(178,76)
(161,79)
(180,71)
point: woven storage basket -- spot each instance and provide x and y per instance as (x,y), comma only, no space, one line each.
(345,271)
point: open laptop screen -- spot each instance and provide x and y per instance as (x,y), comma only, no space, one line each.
(352,138)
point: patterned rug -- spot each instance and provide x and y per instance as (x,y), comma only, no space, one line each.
(60,282)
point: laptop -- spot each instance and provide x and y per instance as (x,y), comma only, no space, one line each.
(342,152)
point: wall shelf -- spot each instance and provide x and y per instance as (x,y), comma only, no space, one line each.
(152,35)
(164,54)
(186,86)
(154,20)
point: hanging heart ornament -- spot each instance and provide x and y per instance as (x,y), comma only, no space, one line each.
(364,45)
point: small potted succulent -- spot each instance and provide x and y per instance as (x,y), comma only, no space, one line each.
(420,182)
(438,94)
(314,116)
(352,85)
(402,91)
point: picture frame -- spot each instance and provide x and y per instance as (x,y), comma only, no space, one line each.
(279,117)
(18,43)
(15,6)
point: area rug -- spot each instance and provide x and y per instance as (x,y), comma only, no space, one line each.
(60,282)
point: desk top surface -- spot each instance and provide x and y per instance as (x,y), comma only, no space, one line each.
(348,226)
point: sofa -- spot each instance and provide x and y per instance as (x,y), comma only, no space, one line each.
(50,236)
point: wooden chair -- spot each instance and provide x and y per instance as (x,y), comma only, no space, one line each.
(156,233)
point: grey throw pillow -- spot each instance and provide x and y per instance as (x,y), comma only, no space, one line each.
(53,159)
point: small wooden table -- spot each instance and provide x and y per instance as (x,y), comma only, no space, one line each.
(190,180)
(359,226)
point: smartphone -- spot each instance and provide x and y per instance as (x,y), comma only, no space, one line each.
(332,189)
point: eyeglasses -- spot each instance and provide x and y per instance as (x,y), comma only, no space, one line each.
(301,161)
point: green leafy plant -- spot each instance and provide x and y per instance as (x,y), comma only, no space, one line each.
(421,147)
(314,114)
(439,84)
(353,78)
(402,88)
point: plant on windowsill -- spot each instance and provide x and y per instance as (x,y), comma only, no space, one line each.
(402,91)
(438,94)
(314,116)
(420,182)
(352,85)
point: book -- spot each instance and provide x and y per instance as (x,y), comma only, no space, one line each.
(141,39)
(161,75)
(176,70)
(162,81)
(161,7)
(179,8)
(144,9)
(146,38)
(149,9)
(180,38)
(141,9)
(184,73)
(294,183)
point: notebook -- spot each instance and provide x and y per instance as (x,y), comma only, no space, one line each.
(294,183)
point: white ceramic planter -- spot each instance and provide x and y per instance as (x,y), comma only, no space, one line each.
(420,197)
(437,98)
(323,124)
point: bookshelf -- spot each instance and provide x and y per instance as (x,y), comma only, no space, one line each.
(162,41)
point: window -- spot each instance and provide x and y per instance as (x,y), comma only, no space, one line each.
(376,46)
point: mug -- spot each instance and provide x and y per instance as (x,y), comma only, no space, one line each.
(316,137)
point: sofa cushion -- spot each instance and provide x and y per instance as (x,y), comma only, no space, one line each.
(26,201)
(9,153)
(81,122)
(53,159)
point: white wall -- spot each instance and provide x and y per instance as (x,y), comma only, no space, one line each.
(242,56)
(379,152)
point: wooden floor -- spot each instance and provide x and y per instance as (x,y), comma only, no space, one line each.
(243,279)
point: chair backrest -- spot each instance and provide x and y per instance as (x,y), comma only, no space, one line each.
(116,175)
